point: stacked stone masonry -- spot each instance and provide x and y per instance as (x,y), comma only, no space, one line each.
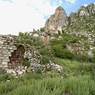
(12,54)
(6,48)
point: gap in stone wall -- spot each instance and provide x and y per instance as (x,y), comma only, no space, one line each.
(16,57)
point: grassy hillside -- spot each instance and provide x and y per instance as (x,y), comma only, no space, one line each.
(77,79)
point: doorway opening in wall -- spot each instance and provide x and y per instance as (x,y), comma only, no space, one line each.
(16,57)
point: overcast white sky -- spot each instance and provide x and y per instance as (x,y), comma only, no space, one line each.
(24,15)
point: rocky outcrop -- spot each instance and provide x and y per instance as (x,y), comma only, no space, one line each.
(87,10)
(39,68)
(82,25)
(56,21)
(83,11)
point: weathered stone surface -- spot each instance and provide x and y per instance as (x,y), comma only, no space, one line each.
(87,10)
(17,71)
(11,55)
(33,55)
(54,67)
(83,11)
(48,67)
(37,68)
(6,47)
(56,21)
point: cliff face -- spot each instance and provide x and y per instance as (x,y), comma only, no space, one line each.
(56,21)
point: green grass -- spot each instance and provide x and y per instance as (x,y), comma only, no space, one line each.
(74,68)
(30,85)
(77,79)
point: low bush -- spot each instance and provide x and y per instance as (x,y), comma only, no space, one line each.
(26,62)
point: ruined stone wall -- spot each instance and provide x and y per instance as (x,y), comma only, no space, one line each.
(11,53)
(6,48)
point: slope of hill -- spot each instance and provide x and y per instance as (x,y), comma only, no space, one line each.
(78,36)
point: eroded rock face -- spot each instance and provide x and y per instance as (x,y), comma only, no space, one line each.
(56,21)
(83,11)
(87,10)
(91,8)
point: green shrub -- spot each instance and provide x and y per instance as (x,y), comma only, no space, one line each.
(26,62)
(4,77)
(2,71)
(61,52)
(45,59)
(24,38)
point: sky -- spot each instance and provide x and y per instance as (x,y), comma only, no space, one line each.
(25,15)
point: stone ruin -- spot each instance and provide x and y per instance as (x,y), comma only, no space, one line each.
(6,48)
(12,54)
